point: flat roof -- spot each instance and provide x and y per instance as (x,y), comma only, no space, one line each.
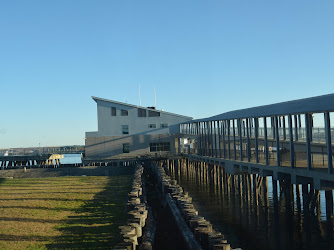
(135,106)
(317,104)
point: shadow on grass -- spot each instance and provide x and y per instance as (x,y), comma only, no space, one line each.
(96,224)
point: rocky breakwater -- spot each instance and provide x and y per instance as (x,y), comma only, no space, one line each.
(196,230)
(140,228)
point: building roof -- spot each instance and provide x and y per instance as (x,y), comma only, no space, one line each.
(316,104)
(135,106)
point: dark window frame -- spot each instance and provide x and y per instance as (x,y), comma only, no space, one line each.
(125,129)
(159,146)
(126,148)
(141,112)
(152,113)
(124,112)
(113,111)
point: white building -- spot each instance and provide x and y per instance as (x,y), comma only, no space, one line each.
(126,130)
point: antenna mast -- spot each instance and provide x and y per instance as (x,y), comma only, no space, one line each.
(139,97)
(155,98)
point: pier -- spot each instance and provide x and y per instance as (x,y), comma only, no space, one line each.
(276,140)
(254,211)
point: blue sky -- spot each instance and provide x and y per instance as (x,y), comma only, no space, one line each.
(204,57)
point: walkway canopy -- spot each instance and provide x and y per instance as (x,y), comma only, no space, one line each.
(318,104)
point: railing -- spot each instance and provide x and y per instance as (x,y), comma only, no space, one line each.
(318,134)
(275,146)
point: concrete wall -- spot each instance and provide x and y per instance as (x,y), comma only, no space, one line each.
(111,147)
(109,125)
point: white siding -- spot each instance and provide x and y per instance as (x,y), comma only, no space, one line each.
(109,125)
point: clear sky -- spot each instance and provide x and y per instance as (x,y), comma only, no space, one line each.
(204,57)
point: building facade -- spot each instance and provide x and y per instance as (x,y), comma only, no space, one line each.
(126,131)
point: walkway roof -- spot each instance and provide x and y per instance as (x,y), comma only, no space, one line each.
(316,104)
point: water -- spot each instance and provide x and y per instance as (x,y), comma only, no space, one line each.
(274,215)
(71,159)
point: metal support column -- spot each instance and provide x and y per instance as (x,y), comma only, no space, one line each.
(211,136)
(296,127)
(277,141)
(328,142)
(228,138)
(223,132)
(219,138)
(240,137)
(266,140)
(211,139)
(256,134)
(273,126)
(201,136)
(292,148)
(284,132)
(215,133)
(205,140)
(248,141)
(234,146)
(308,141)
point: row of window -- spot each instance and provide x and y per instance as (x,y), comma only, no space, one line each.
(141,112)
(154,147)
(151,113)
(123,112)
(162,125)
(159,146)
(125,128)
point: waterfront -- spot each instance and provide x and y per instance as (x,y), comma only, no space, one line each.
(266,215)
(71,159)
(20,161)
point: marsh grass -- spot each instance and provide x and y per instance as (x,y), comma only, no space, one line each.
(62,212)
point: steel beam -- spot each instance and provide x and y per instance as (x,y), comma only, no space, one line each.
(328,142)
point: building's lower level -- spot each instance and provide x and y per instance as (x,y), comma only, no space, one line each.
(130,146)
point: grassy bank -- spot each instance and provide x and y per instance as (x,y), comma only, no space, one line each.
(62,212)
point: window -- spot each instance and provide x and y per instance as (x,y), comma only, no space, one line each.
(113,111)
(163,125)
(124,112)
(152,125)
(141,112)
(126,148)
(153,113)
(125,129)
(159,146)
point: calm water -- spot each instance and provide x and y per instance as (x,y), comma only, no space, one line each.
(71,159)
(274,215)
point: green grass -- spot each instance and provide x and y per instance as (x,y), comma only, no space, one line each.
(62,212)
